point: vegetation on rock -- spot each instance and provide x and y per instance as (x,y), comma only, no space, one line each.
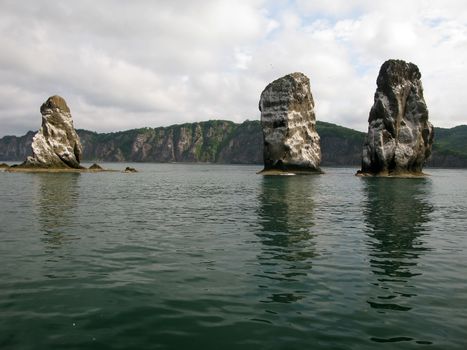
(233,144)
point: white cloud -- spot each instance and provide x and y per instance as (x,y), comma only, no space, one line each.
(242,58)
(122,65)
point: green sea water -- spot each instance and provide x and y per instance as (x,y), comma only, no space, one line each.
(217,257)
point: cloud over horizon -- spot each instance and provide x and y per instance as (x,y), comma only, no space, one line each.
(123,65)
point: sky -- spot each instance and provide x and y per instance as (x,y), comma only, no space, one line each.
(149,63)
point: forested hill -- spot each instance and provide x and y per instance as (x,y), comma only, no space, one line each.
(450,147)
(220,141)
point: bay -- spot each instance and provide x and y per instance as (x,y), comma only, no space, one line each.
(191,256)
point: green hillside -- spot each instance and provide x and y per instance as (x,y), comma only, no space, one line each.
(221,141)
(451,141)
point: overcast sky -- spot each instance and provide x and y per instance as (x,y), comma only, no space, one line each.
(128,64)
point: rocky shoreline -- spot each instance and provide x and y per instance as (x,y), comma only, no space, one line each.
(236,144)
(401,175)
(92,169)
(17,169)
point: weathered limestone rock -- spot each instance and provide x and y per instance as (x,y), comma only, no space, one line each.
(291,142)
(400,137)
(56,144)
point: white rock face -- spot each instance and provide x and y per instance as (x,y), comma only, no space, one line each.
(56,144)
(400,137)
(289,126)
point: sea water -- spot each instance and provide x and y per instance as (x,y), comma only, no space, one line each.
(193,256)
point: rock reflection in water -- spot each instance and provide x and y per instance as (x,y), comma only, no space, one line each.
(396,212)
(285,215)
(57,197)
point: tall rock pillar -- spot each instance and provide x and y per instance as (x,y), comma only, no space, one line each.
(400,137)
(291,143)
(56,144)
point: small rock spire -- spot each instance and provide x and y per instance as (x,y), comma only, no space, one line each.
(56,144)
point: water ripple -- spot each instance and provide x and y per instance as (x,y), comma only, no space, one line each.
(205,256)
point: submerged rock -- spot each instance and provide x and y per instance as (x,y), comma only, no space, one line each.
(400,137)
(291,142)
(56,144)
(95,166)
(130,170)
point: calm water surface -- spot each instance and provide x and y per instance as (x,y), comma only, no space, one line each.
(217,257)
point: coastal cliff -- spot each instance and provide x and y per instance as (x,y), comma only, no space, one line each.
(216,141)
(229,143)
(16,147)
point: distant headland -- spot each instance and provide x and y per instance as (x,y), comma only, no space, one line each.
(226,142)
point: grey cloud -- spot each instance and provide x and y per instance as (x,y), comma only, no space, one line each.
(126,64)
